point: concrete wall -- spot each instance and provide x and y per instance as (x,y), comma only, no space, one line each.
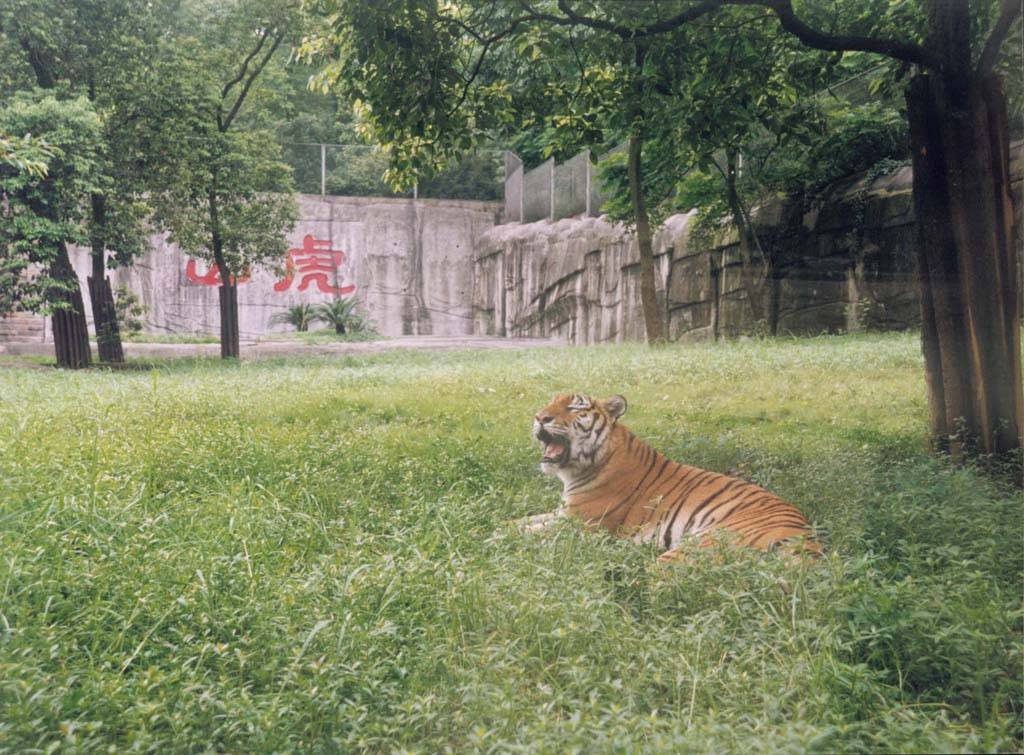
(411,263)
(845,260)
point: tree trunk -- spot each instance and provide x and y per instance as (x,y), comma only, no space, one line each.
(70,333)
(970,309)
(228,291)
(757,274)
(104,314)
(648,289)
(339,328)
(229,348)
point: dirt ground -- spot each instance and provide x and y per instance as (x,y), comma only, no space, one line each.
(265,349)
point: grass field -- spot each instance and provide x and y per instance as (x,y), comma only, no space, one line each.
(314,555)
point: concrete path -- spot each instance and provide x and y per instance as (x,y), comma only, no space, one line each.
(264,349)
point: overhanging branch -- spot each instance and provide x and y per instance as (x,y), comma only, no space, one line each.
(892,48)
(1008,13)
(572,18)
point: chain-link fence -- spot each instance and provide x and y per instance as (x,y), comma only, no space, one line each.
(357,170)
(537,191)
(513,188)
(553,191)
(572,186)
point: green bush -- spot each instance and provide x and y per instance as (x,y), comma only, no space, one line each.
(299,316)
(344,316)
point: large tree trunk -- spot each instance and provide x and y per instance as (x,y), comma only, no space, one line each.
(648,289)
(70,333)
(104,314)
(967,265)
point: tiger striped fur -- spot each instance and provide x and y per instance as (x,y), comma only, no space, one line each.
(613,479)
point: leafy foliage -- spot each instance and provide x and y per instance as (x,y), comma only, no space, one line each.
(44,211)
(129,311)
(27,155)
(223,189)
(240,171)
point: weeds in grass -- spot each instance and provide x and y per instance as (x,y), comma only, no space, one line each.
(320,559)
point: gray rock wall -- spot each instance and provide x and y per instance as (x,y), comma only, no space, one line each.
(843,261)
(410,263)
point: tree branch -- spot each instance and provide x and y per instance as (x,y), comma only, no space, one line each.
(242,70)
(486,44)
(893,48)
(572,18)
(226,124)
(44,75)
(1007,15)
(469,81)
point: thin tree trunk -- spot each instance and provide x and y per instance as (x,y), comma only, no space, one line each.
(70,334)
(967,268)
(229,346)
(758,280)
(648,288)
(104,314)
(228,291)
(228,300)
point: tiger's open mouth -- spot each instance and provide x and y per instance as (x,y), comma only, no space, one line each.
(555,451)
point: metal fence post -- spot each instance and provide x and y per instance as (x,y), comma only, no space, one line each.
(323,169)
(551,211)
(587,182)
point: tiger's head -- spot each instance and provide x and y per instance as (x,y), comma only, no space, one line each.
(574,430)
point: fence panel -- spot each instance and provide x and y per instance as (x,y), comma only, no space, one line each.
(357,170)
(537,192)
(571,183)
(513,188)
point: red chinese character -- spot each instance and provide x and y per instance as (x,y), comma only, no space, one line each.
(212,277)
(315,261)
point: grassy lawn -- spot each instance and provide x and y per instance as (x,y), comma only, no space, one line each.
(313,554)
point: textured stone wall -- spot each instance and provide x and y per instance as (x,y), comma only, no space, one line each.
(843,261)
(410,262)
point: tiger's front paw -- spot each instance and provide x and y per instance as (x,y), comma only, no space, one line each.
(674,556)
(538,523)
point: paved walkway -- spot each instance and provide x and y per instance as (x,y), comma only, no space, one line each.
(264,349)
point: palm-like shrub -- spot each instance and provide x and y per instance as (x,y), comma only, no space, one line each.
(299,316)
(342,314)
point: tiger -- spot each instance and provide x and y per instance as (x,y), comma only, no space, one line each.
(614,480)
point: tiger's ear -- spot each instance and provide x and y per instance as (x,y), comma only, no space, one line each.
(615,406)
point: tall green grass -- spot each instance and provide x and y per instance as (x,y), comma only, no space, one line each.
(314,555)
